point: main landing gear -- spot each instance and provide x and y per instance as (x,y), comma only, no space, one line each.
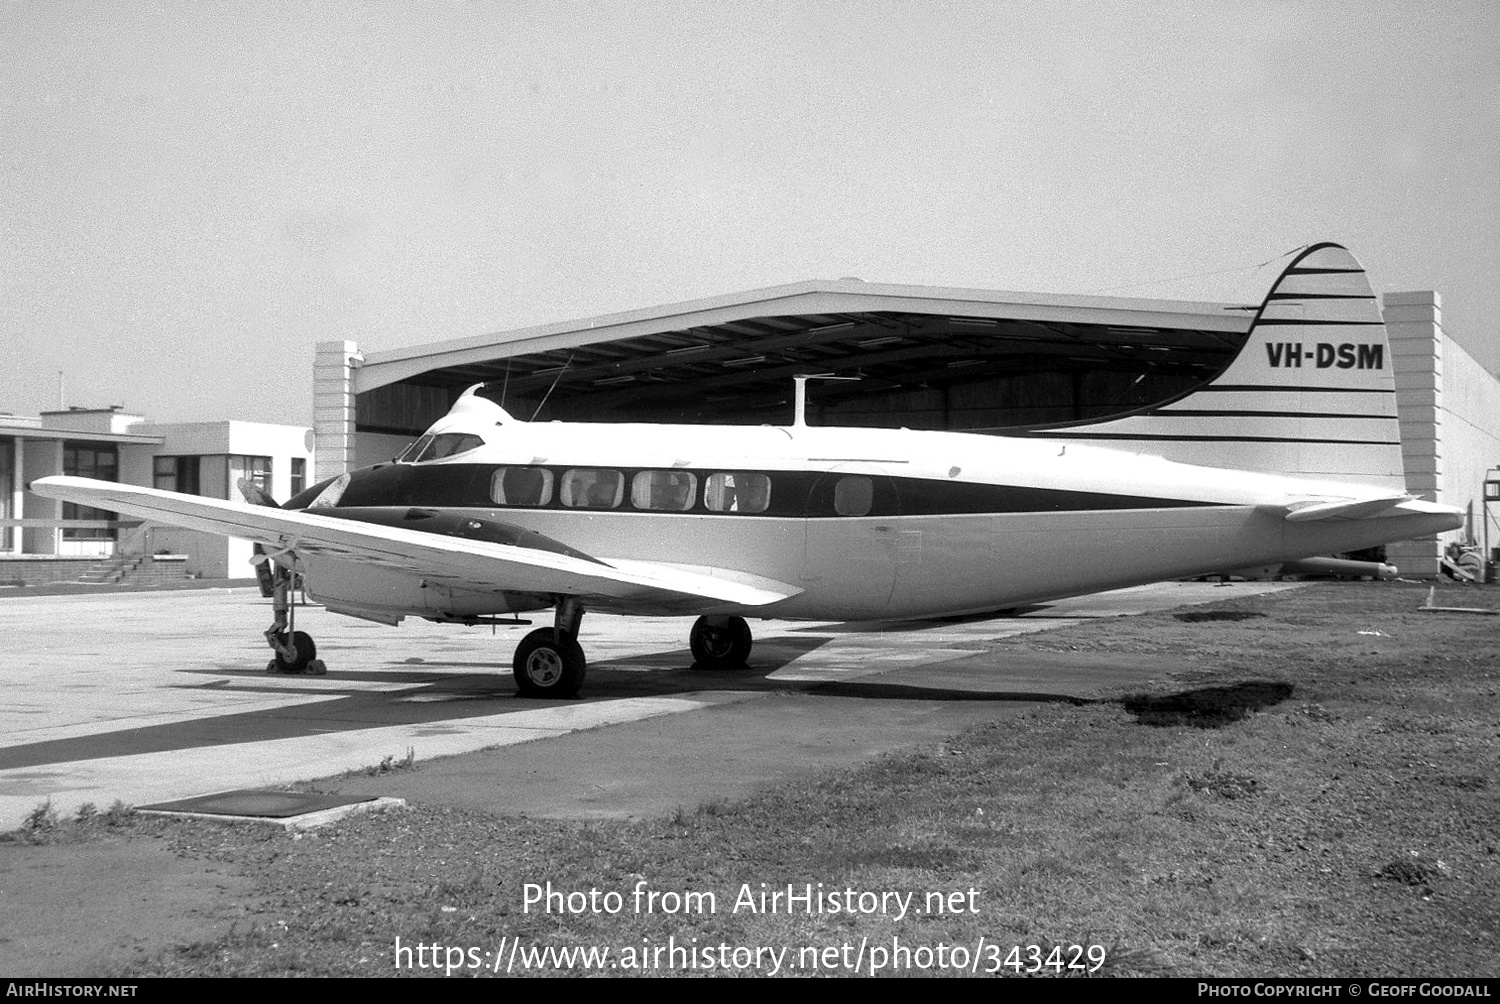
(720,642)
(295,651)
(549,662)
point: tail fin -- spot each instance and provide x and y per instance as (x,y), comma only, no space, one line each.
(1312,392)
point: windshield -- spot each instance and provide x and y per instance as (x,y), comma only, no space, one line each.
(445,444)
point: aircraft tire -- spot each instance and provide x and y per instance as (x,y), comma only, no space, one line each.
(548,668)
(306,652)
(720,646)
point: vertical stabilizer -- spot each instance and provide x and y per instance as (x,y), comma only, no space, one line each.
(1312,393)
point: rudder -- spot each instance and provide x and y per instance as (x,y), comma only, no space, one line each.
(1312,392)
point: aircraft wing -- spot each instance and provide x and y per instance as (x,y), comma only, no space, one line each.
(458,561)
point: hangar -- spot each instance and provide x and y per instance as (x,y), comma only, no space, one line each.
(919,357)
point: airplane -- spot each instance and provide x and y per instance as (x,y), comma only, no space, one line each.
(1295,452)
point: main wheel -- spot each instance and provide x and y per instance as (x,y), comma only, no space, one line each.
(306,652)
(720,642)
(549,663)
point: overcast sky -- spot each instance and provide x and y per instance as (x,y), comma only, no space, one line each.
(192,195)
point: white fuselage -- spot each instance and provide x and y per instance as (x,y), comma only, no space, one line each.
(960,523)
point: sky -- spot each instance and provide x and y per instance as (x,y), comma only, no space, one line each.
(192,195)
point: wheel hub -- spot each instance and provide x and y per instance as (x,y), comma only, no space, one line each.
(544,667)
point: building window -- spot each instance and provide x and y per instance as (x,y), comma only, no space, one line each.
(100,461)
(176,474)
(299,475)
(255,469)
(7,487)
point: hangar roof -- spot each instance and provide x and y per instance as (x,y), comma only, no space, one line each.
(747,345)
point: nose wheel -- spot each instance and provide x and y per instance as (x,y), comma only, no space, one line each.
(294,651)
(296,654)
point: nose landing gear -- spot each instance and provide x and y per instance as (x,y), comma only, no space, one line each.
(294,650)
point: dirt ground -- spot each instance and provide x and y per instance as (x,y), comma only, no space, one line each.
(97,904)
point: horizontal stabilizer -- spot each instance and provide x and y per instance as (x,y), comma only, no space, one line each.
(1306,512)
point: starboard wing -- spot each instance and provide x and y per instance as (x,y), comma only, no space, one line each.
(473,564)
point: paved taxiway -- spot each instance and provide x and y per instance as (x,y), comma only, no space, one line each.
(144,697)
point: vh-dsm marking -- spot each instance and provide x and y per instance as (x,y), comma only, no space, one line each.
(1322,355)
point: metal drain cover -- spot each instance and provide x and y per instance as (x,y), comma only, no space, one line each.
(289,808)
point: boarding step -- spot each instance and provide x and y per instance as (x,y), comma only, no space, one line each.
(109,571)
(134,570)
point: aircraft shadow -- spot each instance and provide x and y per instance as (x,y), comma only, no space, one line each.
(452,692)
(1207,707)
(878,627)
(874,691)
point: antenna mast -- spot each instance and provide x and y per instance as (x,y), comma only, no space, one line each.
(799,407)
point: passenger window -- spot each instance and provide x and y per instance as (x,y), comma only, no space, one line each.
(853,496)
(592,489)
(738,492)
(668,491)
(529,486)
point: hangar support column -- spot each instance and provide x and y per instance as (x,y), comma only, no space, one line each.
(333,407)
(1414,324)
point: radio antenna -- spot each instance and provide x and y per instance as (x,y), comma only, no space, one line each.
(555,379)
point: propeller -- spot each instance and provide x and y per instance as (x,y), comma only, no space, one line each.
(255,494)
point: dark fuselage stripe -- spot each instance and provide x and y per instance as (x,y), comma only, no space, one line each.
(793,494)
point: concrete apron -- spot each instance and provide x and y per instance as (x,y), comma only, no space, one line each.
(147,697)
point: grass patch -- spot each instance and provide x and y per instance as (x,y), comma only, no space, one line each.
(45,825)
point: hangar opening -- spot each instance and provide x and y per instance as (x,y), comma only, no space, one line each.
(919,358)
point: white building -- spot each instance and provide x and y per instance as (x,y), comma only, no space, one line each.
(45,540)
(1450,425)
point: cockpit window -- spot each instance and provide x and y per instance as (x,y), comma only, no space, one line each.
(445,444)
(409,455)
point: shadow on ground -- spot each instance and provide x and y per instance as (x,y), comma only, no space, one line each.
(1208,707)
